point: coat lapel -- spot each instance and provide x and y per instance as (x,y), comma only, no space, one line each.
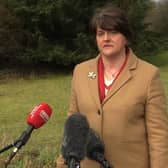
(124,77)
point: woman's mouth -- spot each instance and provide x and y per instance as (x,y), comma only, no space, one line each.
(107,45)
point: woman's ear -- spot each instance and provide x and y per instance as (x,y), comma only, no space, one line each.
(127,43)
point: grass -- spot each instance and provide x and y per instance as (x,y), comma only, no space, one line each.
(160,59)
(17,99)
(18,96)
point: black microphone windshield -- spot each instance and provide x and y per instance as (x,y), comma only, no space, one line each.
(75,137)
(95,149)
(95,145)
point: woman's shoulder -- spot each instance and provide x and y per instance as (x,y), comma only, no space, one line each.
(139,63)
(147,66)
(142,67)
(86,64)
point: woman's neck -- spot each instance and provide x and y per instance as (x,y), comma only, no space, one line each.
(112,65)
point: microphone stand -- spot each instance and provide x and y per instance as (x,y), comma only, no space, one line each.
(73,163)
(17,144)
(100,158)
(10,146)
(7,148)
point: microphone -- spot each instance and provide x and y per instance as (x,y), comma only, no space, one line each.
(95,149)
(39,116)
(75,139)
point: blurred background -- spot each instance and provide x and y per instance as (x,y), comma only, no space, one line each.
(58,32)
(40,43)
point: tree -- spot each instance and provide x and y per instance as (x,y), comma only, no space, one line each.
(12,36)
(59,30)
(157,16)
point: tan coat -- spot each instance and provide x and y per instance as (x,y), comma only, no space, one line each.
(132,120)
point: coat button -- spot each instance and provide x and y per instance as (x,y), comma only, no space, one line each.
(98,112)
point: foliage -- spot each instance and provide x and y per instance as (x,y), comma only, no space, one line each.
(157,17)
(12,36)
(159,59)
(58,32)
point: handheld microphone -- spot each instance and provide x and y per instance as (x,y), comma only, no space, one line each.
(39,116)
(95,149)
(75,139)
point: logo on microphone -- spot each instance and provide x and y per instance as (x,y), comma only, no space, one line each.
(32,114)
(44,116)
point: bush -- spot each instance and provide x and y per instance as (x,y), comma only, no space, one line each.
(57,32)
(150,44)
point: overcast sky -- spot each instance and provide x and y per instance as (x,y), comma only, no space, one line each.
(156,0)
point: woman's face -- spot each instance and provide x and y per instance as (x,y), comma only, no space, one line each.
(110,43)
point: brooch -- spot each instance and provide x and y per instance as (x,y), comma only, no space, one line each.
(92,75)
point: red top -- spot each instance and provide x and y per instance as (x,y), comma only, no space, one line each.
(101,82)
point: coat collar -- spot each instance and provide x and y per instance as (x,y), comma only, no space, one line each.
(123,79)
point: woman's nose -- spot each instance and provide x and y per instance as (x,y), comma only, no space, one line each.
(106,36)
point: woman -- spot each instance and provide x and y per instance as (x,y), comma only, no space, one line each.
(122,97)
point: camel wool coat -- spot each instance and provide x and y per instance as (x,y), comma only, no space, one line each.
(132,120)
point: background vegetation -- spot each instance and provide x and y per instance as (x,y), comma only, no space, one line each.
(18,96)
(58,32)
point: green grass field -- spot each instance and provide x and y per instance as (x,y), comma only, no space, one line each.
(17,99)
(18,96)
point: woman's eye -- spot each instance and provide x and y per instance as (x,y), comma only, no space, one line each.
(113,32)
(100,33)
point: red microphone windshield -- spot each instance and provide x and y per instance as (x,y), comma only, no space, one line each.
(39,115)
